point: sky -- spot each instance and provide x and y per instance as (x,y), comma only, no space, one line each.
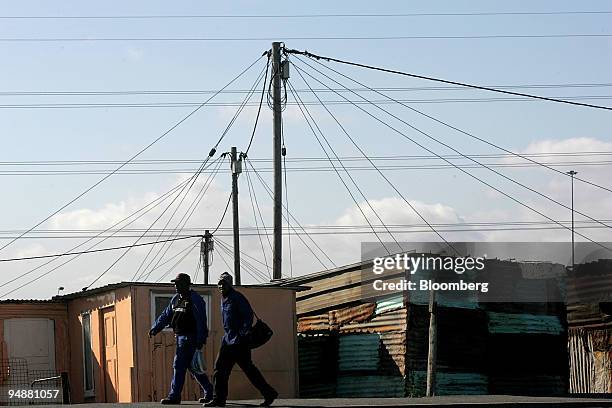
(54,124)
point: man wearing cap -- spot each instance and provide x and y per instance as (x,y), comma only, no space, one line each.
(235,349)
(186,314)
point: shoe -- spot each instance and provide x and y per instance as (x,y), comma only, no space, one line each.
(269,399)
(214,403)
(168,401)
(205,400)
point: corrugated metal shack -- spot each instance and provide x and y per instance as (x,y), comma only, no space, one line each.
(589,314)
(352,345)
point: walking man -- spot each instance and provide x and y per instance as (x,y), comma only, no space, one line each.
(186,314)
(235,349)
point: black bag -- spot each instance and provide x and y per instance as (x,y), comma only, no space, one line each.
(260,333)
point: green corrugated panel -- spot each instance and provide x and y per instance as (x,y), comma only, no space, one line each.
(370,386)
(524,323)
(358,352)
(461,300)
(458,299)
(448,383)
(390,303)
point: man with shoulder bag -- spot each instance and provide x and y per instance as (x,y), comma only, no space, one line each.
(186,314)
(237,343)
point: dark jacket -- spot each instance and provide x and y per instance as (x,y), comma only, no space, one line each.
(237,317)
(199,313)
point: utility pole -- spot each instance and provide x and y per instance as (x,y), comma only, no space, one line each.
(572,173)
(236,170)
(432,352)
(278,185)
(205,250)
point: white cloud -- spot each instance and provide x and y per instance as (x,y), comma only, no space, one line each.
(342,248)
(87,218)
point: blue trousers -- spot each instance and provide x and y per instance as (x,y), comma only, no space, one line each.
(185,349)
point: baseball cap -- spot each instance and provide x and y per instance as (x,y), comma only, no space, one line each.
(181,277)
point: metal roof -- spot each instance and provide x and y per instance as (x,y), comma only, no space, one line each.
(118,285)
(28,301)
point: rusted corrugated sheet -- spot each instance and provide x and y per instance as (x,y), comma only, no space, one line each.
(581,361)
(370,386)
(590,283)
(359,313)
(590,362)
(358,352)
(390,321)
(313,323)
(601,372)
(393,353)
(524,323)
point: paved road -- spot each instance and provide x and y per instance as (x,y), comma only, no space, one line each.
(479,401)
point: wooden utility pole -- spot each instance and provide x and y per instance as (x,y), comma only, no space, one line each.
(206,249)
(431,355)
(278,185)
(236,170)
(572,173)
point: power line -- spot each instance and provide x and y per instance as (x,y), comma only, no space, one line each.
(396,230)
(313,228)
(125,253)
(173,267)
(229,199)
(204,188)
(191,184)
(523,156)
(263,91)
(249,268)
(25,258)
(347,173)
(197,270)
(463,170)
(151,204)
(480,163)
(305,158)
(130,159)
(308,16)
(188,214)
(318,169)
(266,229)
(289,215)
(284,153)
(482,88)
(412,207)
(179,253)
(231,248)
(322,90)
(164,105)
(323,38)
(263,251)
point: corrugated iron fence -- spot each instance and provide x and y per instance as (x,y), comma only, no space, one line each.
(590,362)
(354,351)
(380,349)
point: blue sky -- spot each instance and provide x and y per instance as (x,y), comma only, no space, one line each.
(315,198)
